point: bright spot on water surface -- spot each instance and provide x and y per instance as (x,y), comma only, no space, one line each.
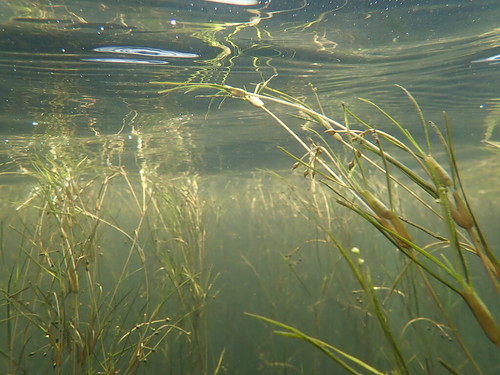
(492,60)
(145,51)
(236,2)
(125,60)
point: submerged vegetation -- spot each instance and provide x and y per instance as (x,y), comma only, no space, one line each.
(93,261)
(114,271)
(445,253)
(117,257)
(375,258)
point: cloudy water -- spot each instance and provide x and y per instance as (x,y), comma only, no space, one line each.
(138,225)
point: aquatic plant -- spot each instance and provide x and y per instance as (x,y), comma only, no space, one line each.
(80,256)
(179,247)
(446,251)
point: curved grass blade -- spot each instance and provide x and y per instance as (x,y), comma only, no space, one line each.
(328,349)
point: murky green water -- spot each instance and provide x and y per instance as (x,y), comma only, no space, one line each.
(137,228)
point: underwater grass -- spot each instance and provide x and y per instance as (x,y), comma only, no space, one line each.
(78,297)
(439,256)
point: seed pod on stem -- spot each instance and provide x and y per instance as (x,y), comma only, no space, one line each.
(460,213)
(376,205)
(438,171)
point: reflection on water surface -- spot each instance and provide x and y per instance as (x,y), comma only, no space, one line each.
(343,50)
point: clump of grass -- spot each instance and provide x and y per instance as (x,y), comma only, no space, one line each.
(180,249)
(77,295)
(439,250)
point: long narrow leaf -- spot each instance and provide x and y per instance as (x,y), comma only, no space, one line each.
(323,346)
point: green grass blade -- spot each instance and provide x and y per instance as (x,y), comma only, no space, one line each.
(321,345)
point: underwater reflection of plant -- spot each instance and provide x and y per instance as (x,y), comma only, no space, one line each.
(425,183)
